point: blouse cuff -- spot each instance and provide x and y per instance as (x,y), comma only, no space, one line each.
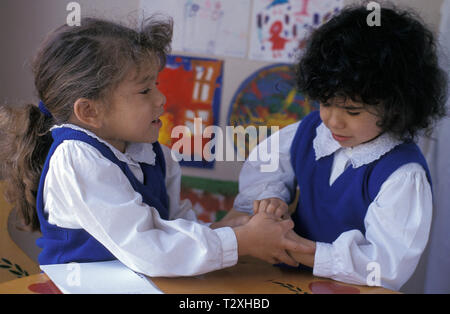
(244,201)
(325,262)
(229,246)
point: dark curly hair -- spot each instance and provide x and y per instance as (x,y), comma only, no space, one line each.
(86,61)
(392,67)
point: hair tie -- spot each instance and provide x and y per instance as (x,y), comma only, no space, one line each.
(44,110)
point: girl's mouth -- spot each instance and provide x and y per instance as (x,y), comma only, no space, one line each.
(340,138)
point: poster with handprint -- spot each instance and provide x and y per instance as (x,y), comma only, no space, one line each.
(280,28)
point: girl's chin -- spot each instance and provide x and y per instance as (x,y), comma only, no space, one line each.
(347,144)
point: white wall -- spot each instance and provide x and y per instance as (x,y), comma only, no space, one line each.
(24,24)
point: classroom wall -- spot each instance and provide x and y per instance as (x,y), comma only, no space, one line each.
(236,70)
(24,23)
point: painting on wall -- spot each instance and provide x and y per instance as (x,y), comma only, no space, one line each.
(280,28)
(211,199)
(192,87)
(217,27)
(268,97)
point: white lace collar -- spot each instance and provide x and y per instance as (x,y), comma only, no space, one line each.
(324,144)
(134,152)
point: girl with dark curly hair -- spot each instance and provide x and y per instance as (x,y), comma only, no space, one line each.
(365,202)
(86,168)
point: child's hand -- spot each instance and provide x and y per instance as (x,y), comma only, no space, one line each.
(264,237)
(307,256)
(231,222)
(273,206)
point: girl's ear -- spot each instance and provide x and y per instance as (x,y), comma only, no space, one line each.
(88,112)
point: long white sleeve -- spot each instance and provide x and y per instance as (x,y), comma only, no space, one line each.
(85,190)
(177,208)
(397,228)
(256,185)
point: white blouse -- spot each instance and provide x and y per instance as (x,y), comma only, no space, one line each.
(85,190)
(397,221)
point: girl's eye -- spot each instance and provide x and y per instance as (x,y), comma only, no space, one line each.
(353,113)
(144,92)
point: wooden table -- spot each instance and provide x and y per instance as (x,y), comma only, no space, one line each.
(249,276)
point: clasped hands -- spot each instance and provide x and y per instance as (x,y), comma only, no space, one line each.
(268,235)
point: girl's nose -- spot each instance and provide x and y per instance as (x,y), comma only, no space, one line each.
(335,119)
(162,99)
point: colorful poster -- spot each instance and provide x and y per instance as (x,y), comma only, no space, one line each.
(217,27)
(211,199)
(192,87)
(267,98)
(280,28)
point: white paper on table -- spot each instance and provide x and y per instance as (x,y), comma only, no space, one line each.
(111,277)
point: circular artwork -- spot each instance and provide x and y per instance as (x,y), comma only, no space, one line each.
(267,98)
